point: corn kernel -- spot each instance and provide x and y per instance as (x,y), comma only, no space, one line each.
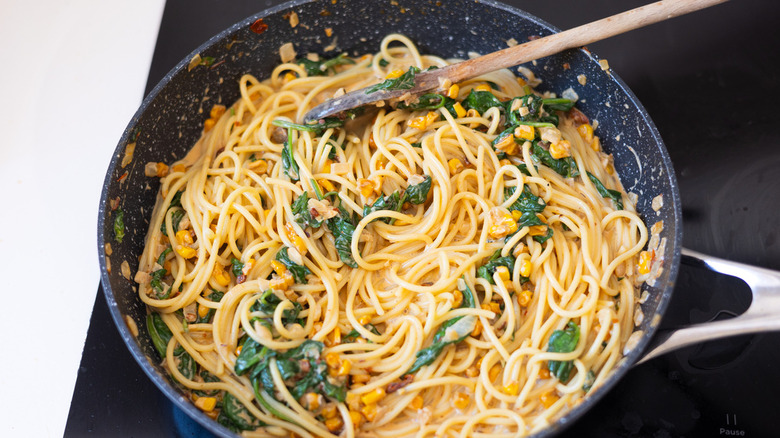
(544,373)
(494,372)
(457,298)
(356,417)
(453,91)
(456,166)
(521,82)
(365,186)
(184,237)
(206,404)
(517,214)
(502,223)
(259,166)
(179,168)
(504,162)
(548,398)
(365,319)
(326,166)
(333,360)
(361,378)
(560,150)
(333,338)
(329,411)
(525,132)
(537,230)
(326,184)
(277,283)
(219,274)
(344,368)
(431,118)
(162,169)
(371,141)
(503,272)
(525,298)
(334,424)
(512,389)
(472,371)
(186,252)
(525,268)
(483,87)
(586,132)
(217,111)
(596,143)
(477,329)
(311,401)
(373,396)
(507,145)
(353,401)
(459,110)
(299,244)
(394,74)
(369,411)
(203,311)
(288,77)
(208,125)
(461,400)
(645,261)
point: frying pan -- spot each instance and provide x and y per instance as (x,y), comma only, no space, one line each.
(170,121)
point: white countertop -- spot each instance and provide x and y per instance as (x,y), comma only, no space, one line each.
(73,74)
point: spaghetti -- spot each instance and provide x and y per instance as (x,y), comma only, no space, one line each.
(452,266)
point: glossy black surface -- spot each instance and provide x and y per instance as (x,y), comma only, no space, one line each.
(709,81)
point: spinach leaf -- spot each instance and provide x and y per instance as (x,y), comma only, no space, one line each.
(418,193)
(481,101)
(430,101)
(289,166)
(558,104)
(530,102)
(530,219)
(119,225)
(392,202)
(403,82)
(238,414)
(566,167)
(299,272)
(527,202)
(186,365)
(316,128)
(615,195)
(216,297)
(323,68)
(451,331)
(590,379)
(563,341)
(268,302)
(343,228)
(236,267)
(176,200)
(252,354)
(159,332)
(301,212)
(487,270)
(208,378)
(176,218)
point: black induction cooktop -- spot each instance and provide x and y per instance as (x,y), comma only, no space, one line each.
(711,83)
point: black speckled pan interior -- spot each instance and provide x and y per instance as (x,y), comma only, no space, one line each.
(170,121)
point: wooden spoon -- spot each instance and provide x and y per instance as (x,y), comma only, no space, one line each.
(428,81)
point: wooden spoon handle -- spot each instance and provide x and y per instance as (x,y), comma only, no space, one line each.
(572,38)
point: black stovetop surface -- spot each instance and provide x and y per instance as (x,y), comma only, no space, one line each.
(711,83)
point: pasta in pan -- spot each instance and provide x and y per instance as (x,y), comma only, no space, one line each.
(463,264)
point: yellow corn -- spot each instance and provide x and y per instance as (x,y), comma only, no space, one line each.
(369,411)
(329,411)
(459,110)
(365,186)
(334,424)
(560,150)
(360,378)
(502,223)
(586,132)
(222,278)
(278,267)
(431,118)
(203,311)
(326,166)
(525,132)
(548,398)
(477,329)
(645,262)
(525,298)
(206,404)
(333,338)
(344,368)
(289,76)
(458,298)
(394,74)
(483,87)
(507,145)
(333,360)
(537,230)
(356,417)
(208,125)
(277,283)
(521,82)
(353,401)
(494,372)
(417,123)
(461,400)
(492,306)
(162,169)
(416,403)
(311,401)
(184,237)
(365,319)
(472,371)
(186,252)
(596,143)
(217,111)
(525,268)
(503,272)
(512,389)
(373,396)
(453,91)
(456,166)
(544,373)
(179,168)
(326,184)
(238,350)
(517,214)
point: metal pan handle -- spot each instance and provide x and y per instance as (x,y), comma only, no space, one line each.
(763,314)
